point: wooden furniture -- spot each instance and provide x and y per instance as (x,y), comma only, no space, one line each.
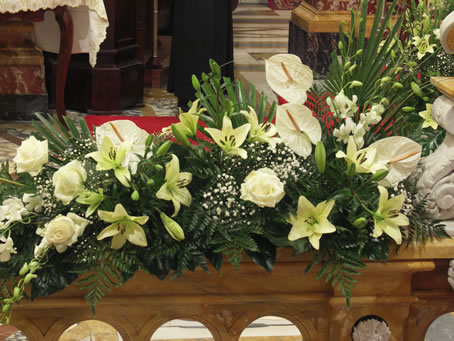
(66,40)
(116,82)
(409,291)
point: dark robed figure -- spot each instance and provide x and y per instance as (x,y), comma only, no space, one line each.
(202,29)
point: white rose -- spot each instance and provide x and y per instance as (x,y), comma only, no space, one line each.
(6,249)
(31,156)
(61,232)
(69,181)
(263,188)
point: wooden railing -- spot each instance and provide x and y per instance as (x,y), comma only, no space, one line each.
(408,292)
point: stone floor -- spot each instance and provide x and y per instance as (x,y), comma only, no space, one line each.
(259,33)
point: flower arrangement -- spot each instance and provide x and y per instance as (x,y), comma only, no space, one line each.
(329,173)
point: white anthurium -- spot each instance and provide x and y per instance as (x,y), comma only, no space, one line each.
(259,132)
(401,155)
(298,128)
(120,131)
(288,77)
(230,139)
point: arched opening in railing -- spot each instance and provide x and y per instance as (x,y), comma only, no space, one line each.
(181,329)
(11,333)
(91,330)
(273,328)
(441,329)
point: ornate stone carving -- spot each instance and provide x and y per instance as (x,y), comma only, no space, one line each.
(437,181)
(451,274)
(371,330)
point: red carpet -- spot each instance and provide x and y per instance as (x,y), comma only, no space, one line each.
(283,4)
(149,123)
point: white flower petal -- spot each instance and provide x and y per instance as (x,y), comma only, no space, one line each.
(278,69)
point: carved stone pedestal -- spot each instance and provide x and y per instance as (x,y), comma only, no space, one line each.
(408,292)
(22,87)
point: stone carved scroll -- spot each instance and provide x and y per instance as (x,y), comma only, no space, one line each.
(437,180)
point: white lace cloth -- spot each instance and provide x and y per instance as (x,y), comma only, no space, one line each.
(97,17)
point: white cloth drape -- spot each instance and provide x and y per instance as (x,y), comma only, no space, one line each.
(86,38)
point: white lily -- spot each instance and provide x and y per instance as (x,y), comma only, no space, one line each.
(311,221)
(365,160)
(120,131)
(263,132)
(124,227)
(388,217)
(174,189)
(230,139)
(109,157)
(298,128)
(288,77)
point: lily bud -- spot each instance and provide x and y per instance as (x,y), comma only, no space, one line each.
(16,292)
(385,80)
(180,136)
(158,168)
(359,52)
(6,308)
(416,89)
(408,109)
(341,45)
(397,85)
(215,67)
(352,68)
(29,277)
(320,156)
(380,175)
(384,101)
(195,83)
(163,148)
(135,196)
(355,84)
(204,77)
(149,140)
(150,182)
(33,265)
(174,229)
(347,65)
(360,222)
(24,269)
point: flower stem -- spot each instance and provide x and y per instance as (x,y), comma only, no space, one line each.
(11,182)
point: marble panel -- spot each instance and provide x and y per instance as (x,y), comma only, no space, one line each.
(22,79)
(314,49)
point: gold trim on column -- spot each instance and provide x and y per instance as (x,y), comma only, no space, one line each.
(310,19)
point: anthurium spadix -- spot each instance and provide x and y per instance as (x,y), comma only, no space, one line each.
(388,217)
(174,189)
(124,227)
(311,221)
(288,77)
(298,128)
(263,132)
(109,157)
(401,156)
(229,139)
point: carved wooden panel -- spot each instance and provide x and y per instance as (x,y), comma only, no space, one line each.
(407,292)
